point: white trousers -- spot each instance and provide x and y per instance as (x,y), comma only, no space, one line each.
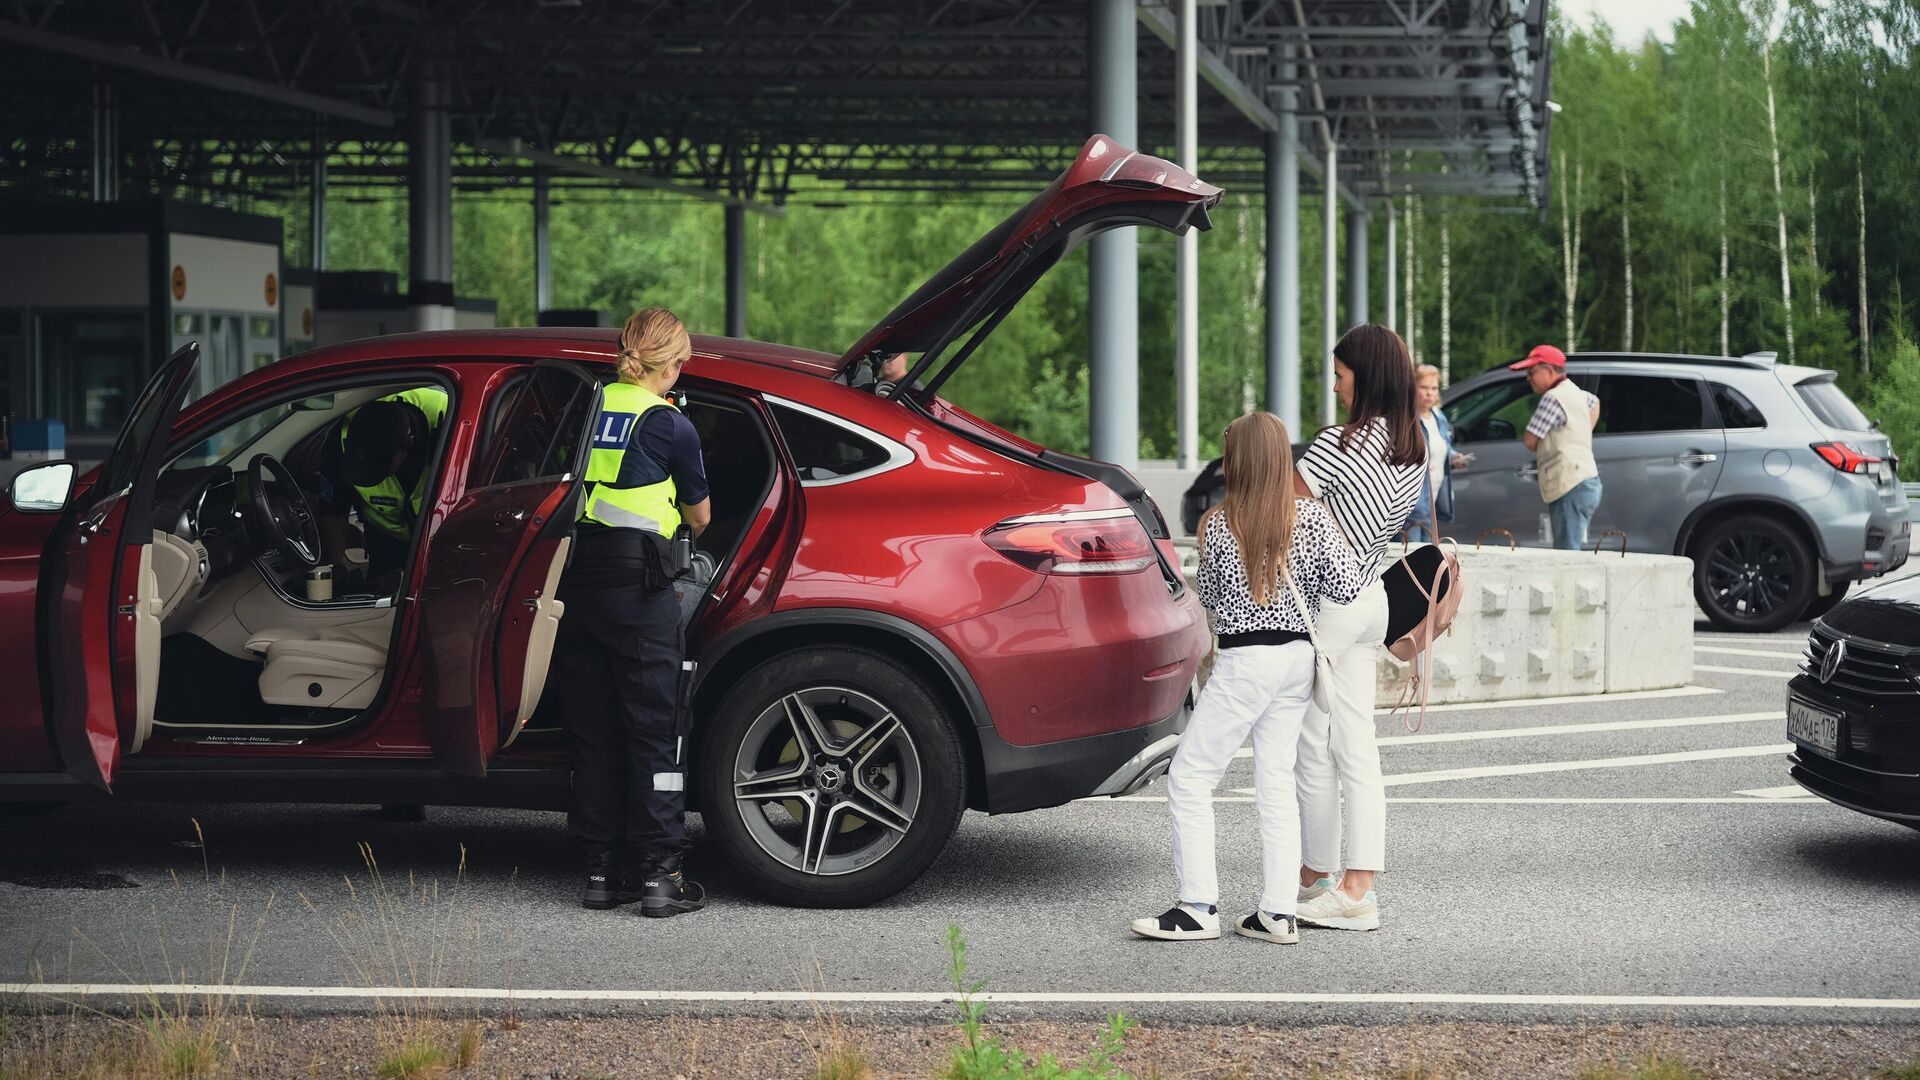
(1338,755)
(1261,689)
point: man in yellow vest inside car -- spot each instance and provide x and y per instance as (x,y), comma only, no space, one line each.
(620,648)
(378,465)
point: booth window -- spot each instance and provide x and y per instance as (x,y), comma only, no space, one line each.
(92,365)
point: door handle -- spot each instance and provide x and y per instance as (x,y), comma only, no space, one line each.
(507,519)
(1696,457)
(1528,472)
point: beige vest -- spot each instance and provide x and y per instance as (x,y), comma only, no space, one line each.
(1566,454)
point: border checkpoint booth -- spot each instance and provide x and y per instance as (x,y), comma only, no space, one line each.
(94,296)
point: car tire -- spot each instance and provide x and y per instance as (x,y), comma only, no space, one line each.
(1753,573)
(813,847)
(1823,604)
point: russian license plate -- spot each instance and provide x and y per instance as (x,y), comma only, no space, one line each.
(1813,726)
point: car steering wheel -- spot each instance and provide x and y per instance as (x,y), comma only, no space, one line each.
(280,512)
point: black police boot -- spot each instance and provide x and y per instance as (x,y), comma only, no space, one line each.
(667,892)
(606,885)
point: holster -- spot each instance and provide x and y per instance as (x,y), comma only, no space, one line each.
(647,554)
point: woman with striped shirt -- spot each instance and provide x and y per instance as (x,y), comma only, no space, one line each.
(1368,473)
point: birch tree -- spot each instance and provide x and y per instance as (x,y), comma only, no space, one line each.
(1570,243)
(1779,198)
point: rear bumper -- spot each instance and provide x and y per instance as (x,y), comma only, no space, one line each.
(1051,774)
(1863,538)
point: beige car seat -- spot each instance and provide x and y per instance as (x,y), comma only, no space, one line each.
(321,667)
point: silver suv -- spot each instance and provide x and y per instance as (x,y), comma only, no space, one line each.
(1766,474)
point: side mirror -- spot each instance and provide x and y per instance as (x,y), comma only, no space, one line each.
(1500,431)
(44,489)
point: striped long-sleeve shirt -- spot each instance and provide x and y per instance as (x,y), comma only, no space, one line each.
(1370,498)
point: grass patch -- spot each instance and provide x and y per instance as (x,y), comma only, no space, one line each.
(1652,1067)
(843,1062)
(466,1045)
(418,1058)
(1907,1070)
(983,1057)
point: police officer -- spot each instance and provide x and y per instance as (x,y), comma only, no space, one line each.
(379,466)
(619,645)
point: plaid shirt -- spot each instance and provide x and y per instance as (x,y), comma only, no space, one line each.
(1548,416)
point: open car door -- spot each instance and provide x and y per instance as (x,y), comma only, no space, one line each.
(488,612)
(101,635)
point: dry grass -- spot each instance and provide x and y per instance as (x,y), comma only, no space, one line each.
(418,1058)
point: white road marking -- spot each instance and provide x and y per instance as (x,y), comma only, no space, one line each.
(941,997)
(1482,771)
(1245,796)
(1790,791)
(1568,699)
(1746,652)
(1762,672)
(1564,729)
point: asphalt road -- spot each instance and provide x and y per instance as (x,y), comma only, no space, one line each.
(1620,857)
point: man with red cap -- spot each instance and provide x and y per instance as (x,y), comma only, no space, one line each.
(1561,437)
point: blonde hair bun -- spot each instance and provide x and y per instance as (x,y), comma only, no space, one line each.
(652,339)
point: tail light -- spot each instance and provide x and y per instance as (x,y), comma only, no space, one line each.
(1102,542)
(1845,458)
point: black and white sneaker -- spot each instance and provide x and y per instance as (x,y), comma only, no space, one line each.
(1279,929)
(1181,922)
(667,892)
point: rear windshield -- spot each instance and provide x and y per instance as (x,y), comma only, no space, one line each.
(1831,404)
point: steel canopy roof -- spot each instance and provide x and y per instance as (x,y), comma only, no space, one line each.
(756,99)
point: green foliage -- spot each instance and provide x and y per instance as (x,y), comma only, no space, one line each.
(1908,1070)
(983,1057)
(1893,399)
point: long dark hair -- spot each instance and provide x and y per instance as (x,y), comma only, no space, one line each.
(1383,388)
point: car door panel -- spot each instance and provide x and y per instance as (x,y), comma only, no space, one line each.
(101,619)
(1497,489)
(1658,456)
(486,604)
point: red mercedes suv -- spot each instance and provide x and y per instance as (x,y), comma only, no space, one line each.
(900,610)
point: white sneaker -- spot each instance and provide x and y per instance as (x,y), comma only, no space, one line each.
(1334,910)
(1308,892)
(1279,929)
(1181,922)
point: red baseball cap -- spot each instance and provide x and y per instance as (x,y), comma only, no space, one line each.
(1541,354)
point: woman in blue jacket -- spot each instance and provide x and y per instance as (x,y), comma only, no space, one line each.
(1436,490)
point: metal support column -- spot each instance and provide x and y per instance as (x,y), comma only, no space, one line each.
(104,178)
(1356,267)
(317,201)
(1186,362)
(1113,377)
(1283,254)
(1329,297)
(430,206)
(736,271)
(542,243)
(1393,268)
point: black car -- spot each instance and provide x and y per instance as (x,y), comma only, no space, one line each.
(1853,712)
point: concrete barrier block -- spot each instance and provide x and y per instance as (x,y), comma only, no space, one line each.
(1493,599)
(1539,663)
(1493,666)
(1649,629)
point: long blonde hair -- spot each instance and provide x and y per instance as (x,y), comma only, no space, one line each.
(1257,457)
(652,339)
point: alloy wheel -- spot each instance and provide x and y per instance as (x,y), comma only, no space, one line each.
(1749,575)
(827,780)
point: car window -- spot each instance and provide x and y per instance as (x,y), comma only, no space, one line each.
(826,451)
(1735,410)
(1635,404)
(1493,413)
(1832,405)
(533,428)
